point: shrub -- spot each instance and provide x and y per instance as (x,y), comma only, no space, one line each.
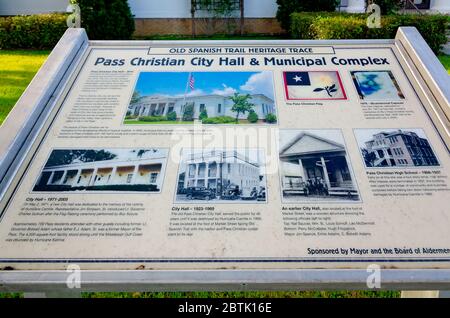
(324,25)
(130,117)
(172,116)
(107,19)
(152,118)
(287,7)
(203,114)
(40,31)
(271,118)
(219,120)
(252,117)
(188,114)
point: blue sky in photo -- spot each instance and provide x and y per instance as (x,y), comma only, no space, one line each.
(222,83)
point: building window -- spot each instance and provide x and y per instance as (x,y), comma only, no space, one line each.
(202,107)
(171,107)
(129,177)
(191,170)
(153,177)
(219,108)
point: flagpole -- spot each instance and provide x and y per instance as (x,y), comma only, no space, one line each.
(185,93)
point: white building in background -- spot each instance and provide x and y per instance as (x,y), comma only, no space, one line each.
(213,168)
(215,105)
(145,170)
(176,9)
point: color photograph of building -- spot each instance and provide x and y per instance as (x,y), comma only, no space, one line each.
(376,85)
(385,148)
(314,166)
(209,97)
(139,170)
(222,175)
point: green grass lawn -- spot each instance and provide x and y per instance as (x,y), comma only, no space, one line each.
(445,60)
(17,68)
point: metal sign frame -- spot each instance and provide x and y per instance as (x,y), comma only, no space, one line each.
(29,116)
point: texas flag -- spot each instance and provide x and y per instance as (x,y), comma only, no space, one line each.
(313,85)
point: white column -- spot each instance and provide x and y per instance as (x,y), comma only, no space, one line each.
(161,173)
(61,181)
(325,172)
(355,6)
(113,174)
(196,174)
(49,181)
(206,175)
(347,162)
(94,174)
(387,157)
(135,172)
(302,170)
(77,176)
(442,6)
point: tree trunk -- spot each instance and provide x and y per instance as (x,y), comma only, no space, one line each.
(237,117)
(241,7)
(193,17)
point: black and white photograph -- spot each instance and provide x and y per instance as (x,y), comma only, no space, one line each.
(140,170)
(221,176)
(388,148)
(314,166)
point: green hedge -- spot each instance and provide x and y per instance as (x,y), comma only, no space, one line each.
(219,120)
(153,118)
(41,31)
(326,25)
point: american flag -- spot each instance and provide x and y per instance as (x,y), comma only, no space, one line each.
(191,82)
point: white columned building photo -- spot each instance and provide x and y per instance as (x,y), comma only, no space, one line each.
(103,170)
(221,175)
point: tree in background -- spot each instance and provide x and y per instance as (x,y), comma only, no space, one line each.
(241,104)
(287,7)
(188,113)
(203,114)
(386,6)
(252,117)
(65,157)
(218,9)
(135,98)
(106,19)
(369,157)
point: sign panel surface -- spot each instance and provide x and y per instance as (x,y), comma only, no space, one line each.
(221,156)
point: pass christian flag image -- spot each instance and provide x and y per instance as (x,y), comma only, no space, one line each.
(320,85)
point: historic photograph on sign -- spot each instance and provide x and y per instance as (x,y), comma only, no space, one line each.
(320,85)
(140,170)
(314,166)
(221,176)
(207,97)
(387,148)
(377,85)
